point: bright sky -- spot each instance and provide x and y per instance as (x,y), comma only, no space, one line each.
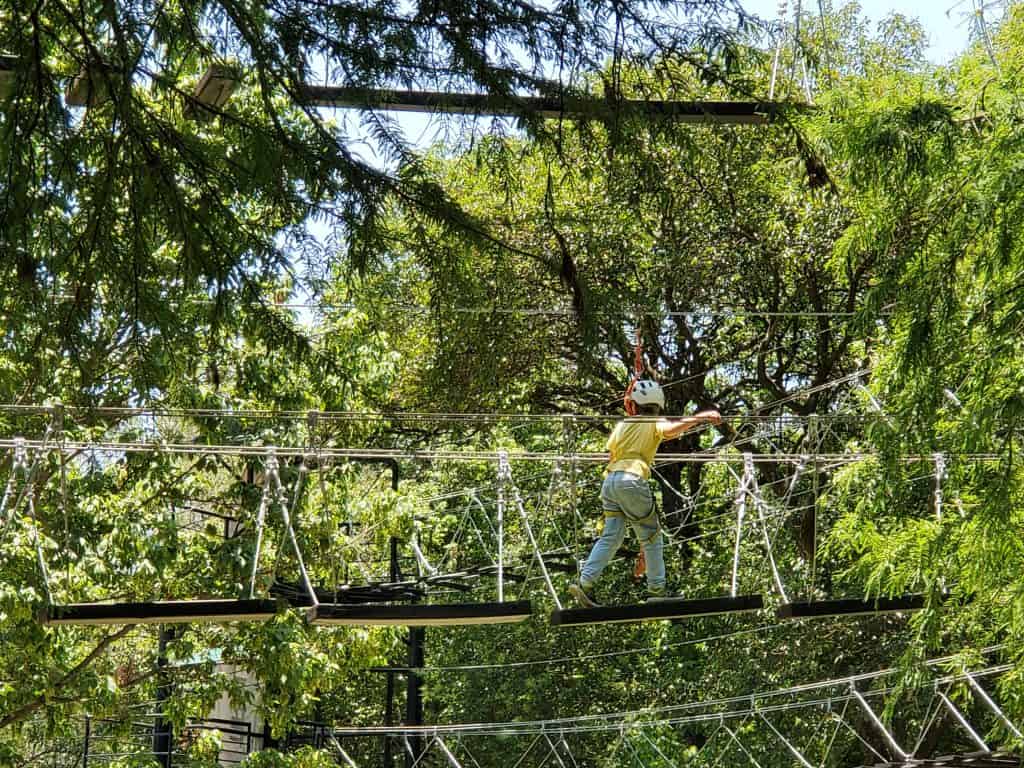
(946,21)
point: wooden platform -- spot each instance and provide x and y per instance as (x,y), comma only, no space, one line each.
(164,612)
(820,609)
(419,615)
(662,610)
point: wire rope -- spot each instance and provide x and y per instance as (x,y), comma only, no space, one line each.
(586,657)
(708,711)
(706,457)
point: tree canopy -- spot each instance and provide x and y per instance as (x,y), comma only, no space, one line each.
(188,284)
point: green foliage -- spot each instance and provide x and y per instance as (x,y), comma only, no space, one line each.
(149,256)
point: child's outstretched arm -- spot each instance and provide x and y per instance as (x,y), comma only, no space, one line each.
(673,428)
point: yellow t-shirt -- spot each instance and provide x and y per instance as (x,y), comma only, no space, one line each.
(632,445)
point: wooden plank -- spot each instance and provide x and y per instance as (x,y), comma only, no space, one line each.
(213,91)
(547,107)
(819,609)
(661,610)
(419,615)
(162,612)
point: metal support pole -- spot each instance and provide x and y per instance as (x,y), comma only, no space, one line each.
(414,689)
(739,744)
(506,471)
(389,691)
(85,744)
(993,706)
(501,534)
(447,752)
(963,722)
(793,750)
(879,726)
(162,735)
(741,512)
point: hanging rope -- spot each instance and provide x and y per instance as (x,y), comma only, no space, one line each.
(37,540)
(505,471)
(260,519)
(741,512)
(502,477)
(17,468)
(422,563)
(58,420)
(288,514)
(755,495)
(940,475)
(638,367)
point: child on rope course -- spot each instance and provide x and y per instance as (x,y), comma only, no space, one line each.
(626,495)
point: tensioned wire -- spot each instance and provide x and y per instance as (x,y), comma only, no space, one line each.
(592,723)
(668,715)
(44,409)
(439,416)
(544,662)
(585,657)
(123,446)
(416,416)
(220,449)
(420,309)
(493,485)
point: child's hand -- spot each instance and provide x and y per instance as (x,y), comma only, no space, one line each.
(711,417)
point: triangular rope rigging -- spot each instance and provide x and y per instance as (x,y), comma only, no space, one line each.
(216,610)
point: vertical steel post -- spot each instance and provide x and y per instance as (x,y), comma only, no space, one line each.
(414,691)
(879,725)
(85,745)
(162,736)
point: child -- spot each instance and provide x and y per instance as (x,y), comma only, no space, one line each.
(626,495)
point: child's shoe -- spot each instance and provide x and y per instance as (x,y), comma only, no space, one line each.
(584,595)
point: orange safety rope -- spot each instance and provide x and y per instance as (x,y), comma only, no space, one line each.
(640,568)
(638,367)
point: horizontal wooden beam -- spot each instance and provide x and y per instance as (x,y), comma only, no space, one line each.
(819,609)
(547,107)
(660,610)
(420,615)
(163,612)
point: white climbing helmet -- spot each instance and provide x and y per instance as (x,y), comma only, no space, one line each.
(647,392)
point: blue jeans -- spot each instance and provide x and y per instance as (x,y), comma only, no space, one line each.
(627,497)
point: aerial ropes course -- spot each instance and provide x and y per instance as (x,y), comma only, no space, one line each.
(398,601)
